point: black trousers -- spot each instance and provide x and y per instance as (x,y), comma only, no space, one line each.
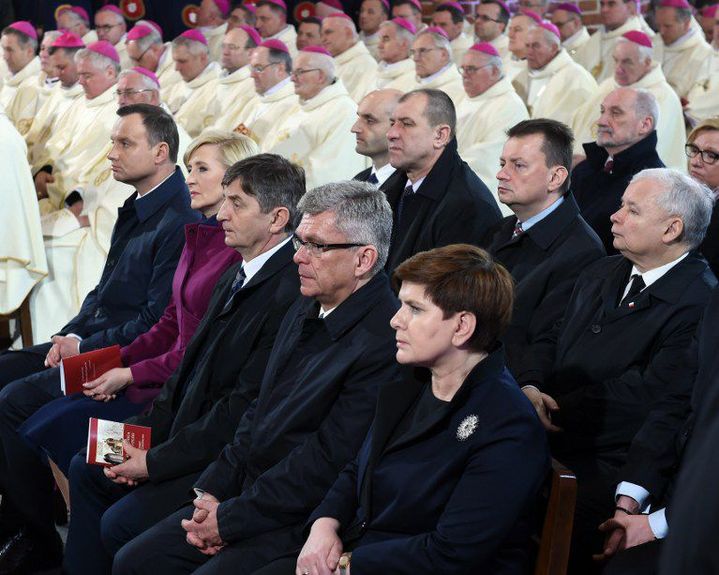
(639,560)
(18,364)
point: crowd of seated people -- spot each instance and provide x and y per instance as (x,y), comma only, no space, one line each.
(368,277)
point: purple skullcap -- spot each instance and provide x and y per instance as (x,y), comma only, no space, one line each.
(436,30)
(530,14)
(710,11)
(68,40)
(25,27)
(223,6)
(568,7)
(111,8)
(195,35)
(279,3)
(336,4)
(406,24)
(274,44)
(252,33)
(104,48)
(550,27)
(681,4)
(385,3)
(249,7)
(339,15)
(146,72)
(638,38)
(138,31)
(80,11)
(455,5)
(485,48)
(151,24)
(416,3)
(317,50)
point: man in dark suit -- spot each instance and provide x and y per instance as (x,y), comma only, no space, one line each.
(199,407)
(621,344)
(334,351)
(443,202)
(626,144)
(545,245)
(130,297)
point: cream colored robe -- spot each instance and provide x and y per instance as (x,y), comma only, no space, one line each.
(459,46)
(214,37)
(482,123)
(685,63)
(371,42)
(263,115)
(501,43)
(704,98)
(513,67)
(557,90)
(358,70)
(125,60)
(22,257)
(232,93)
(166,74)
(195,113)
(397,76)
(671,135)
(574,43)
(448,80)
(288,35)
(90,37)
(20,95)
(317,137)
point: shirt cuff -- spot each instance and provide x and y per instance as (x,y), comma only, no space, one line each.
(636,492)
(74,335)
(658,523)
(534,387)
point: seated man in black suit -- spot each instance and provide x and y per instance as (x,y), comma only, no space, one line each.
(545,245)
(444,201)
(626,144)
(621,344)
(334,351)
(199,407)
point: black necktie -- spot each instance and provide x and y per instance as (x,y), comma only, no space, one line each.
(237,284)
(609,166)
(518,230)
(373,179)
(408,191)
(637,286)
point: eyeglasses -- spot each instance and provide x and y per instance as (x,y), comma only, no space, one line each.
(561,24)
(316,250)
(708,157)
(259,68)
(485,18)
(120,93)
(232,47)
(300,71)
(420,52)
(106,28)
(469,70)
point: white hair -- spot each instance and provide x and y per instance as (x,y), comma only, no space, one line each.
(325,63)
(97,60)
(439,41)
(118,18)
(551,38)
(193,46)
(646,105)
(402,33)
(347,24)
(645,52)
(145,82)
(151,39)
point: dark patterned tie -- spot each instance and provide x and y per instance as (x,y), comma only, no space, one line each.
(237,284)
(518,230)
(637,286)
(373,179)
(408,191)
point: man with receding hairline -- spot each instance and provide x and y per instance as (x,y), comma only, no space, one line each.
(212,22)
(20,93)
(435,70)
(371,16)
(396,69)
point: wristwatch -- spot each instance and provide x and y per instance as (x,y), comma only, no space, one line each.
(344,563)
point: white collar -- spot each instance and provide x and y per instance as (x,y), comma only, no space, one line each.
(436,75)
(254,265)
(147,193)
(655,274)
(384,173)
(277,87)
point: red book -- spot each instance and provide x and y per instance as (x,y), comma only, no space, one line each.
(104,441)
(84,367)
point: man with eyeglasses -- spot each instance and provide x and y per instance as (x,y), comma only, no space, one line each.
(491,21)
(110,26)
(567,17)
(146,49)
(491,105)
(333,351)
(233,89)
(212,21)
(274,94)
(316,135)
(433,64)
(395,70)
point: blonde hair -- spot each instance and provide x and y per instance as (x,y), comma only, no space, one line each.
(232,146)
(710,125)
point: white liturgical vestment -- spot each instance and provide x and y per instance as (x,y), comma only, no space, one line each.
(358,70)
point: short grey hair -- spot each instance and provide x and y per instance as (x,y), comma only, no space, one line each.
(550,37)
(97,60)
(402,33)
(325,63)
(151,39)
(683,197)
(645,52)
(361,211)
(439,42)
(51,35)
(193,46)
(646,105)
(145,82)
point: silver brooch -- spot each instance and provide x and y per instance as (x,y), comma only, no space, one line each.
(467,427)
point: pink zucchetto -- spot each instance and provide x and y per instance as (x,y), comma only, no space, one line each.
(530,14)
(550,27)
(111,8)
(317,50)
(437,30)
(504,6)
(681,4)
(104,48)
(195,35)
(406,24)
(279,3)
(638,38)
(249,7)
(336,4)
(339,15)
(455,5)
(25,27)
(710,11)
(568,7)
(385,3)
(485,48)
(138,31)
(68,40)
(252,33)
(223,6)
(417,4)
(151,24)
(274,44)
(147,73)
(79,10)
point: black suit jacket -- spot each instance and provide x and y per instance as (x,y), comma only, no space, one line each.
(451,206)
(599,193)
(545,262)
(392,186)
(316,403)
(432,501)
(199,407)
(612,363)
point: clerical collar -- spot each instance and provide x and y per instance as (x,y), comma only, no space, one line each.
(434,76)
(569,42)
(679,41)
(386,66)
(277,87)
(654,275)
(251,267)
(536,218)
(384,173)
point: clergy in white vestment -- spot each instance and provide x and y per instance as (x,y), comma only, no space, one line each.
(433,64)
(354,65)
(275,98)
(65,92)
(316,135)
(704,98)
(483,117)
(519,27)
(241,14)
(553,85)
(396,69)
(491,23)
(22,256)
(272,23)
(234,88)
(324,8)
(372,14)
(75,19)
(146,49)
(682,51)
(450,17)
(110,27)
(636,69)
(47,79)
(191,100)
(309,33)
(707,18)
(20,93)
(567,17)
(409,10)
(212,22)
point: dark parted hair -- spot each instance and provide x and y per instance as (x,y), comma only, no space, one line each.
(159,125)
(439,108)
(461,277)
(310,20)
(557,145)
(274,7)
(272,180)
(279,57)
(456,13)
(408,2)
(23,39)
(70,52)
(504,14)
